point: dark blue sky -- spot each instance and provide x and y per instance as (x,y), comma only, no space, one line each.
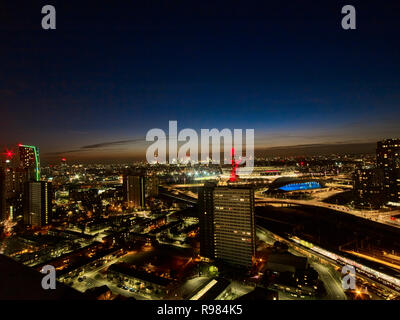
(115,69)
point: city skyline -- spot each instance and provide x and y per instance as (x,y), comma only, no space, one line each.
(200,155)
(90,91)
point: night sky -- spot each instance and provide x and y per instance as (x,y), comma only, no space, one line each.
(113,70)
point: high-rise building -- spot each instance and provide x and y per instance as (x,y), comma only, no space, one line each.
(17,168)
(38,207)
(151,186)
(226,216)
(388,159)
(134,191)
(206,219)
(234,230)
(29,161)
(14,192)
(12,179)
(368,187)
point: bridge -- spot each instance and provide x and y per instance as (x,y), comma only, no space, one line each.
(384,217)
(372,215)
(179,197)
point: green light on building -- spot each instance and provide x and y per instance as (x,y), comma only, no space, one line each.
(36,160)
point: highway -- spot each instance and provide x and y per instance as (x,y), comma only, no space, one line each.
(333,286)
(383,217)
(372,215)
(332,283)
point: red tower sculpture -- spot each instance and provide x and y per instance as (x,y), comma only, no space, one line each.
(235,164)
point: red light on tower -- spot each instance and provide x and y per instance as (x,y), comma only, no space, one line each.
(63,159)
(235,164)
(9,154)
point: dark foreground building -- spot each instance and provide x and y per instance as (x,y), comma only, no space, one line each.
(19,282)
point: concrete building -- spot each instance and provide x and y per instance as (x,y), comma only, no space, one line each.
(234,231)
(152,183)
(29,161)
(38,203)
(16,169)
(134,191)
(388,159)
(368,187)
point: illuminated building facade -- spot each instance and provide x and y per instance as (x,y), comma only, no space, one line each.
(17,168)
(151,186)
(29,161)
(12,183)
(388,159)
(234,231)
(289,184)
(134,191)
(368,187)
(38,199)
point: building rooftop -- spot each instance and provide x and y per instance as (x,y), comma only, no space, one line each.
(288,259)
(19,282)
(259,293)
(138,274)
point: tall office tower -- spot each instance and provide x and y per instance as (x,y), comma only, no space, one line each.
(134,191)
(368,187)
(37,209)
(206,219)
(234,230)
(12,179)
(14,192)
(29,161)
(388,159)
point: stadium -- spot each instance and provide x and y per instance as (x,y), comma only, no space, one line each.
(294,184)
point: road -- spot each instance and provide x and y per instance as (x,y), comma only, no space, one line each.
(98,281)
(373,215)
(332,285)
(190,287)
(260,199)
(94,278)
